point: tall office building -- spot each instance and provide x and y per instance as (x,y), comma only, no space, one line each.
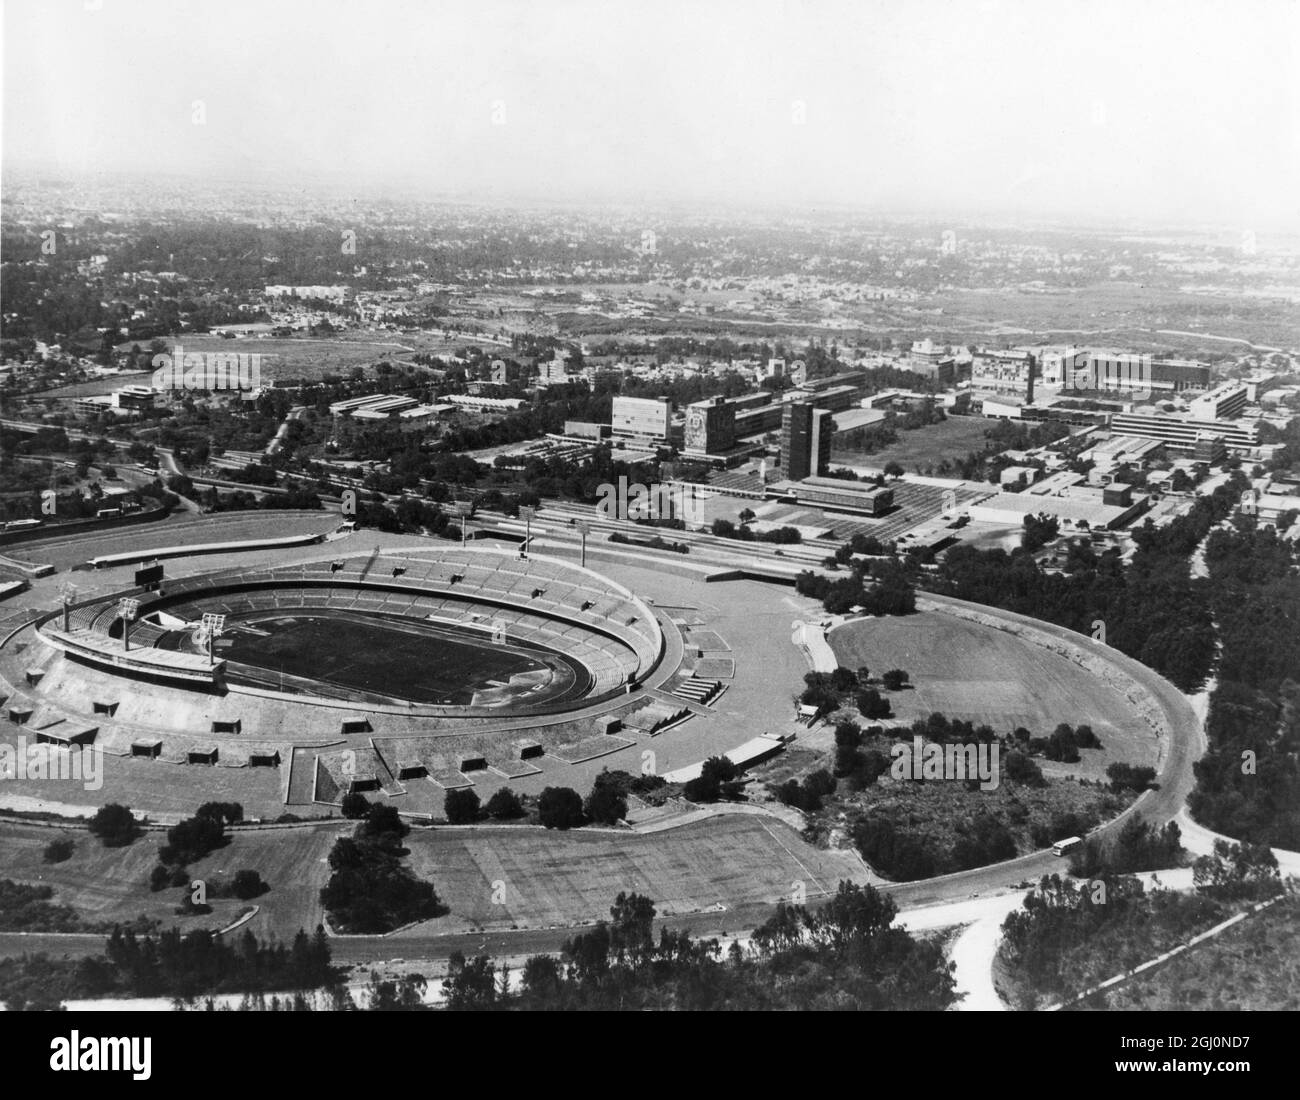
(805,440)
(710,426)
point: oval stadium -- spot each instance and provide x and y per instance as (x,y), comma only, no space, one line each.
(468,633)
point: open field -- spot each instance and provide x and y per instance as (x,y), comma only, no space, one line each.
(106,885)
(1120,314)
(984,675)
(549,878)
(546,878)
(954,438)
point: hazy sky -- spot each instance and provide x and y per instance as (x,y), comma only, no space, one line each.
(1176,109)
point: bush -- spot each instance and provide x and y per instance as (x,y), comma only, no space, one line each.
(504,805)
(247,884)
(114,825)
(160,878)
(461,806)
(560,808)
(56,851)
(1130,777)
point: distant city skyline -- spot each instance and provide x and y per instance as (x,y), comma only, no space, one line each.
(1178,112)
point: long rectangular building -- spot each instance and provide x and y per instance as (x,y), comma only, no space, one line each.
(1183,431)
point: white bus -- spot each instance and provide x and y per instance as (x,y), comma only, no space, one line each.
(1066,846)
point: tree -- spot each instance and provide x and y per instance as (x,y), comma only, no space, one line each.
(355,805)
(560,808)
(605,805)
(461,806)
(893,469)
(56,851)
(871,704)
(894,679)
(114,825)
(470,984)
(504,805)
(228,813)
(192,839)
(631,925)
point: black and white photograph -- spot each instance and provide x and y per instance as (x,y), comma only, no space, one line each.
(659,506)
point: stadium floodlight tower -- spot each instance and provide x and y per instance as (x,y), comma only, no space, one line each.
(584,529)
(211,627)
(127,609)
(465,509)
(67,594)
(527,511)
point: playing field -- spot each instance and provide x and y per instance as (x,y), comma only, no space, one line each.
(984,675)
(534,878)
(397,659)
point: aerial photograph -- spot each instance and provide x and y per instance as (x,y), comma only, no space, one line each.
(649,505)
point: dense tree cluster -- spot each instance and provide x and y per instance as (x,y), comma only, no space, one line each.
(1138,846)
(370,889)
(845,954)
(1248,782)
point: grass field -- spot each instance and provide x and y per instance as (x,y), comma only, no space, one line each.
(953,438)
(548,878)
(545,878)
(413,660)
(984,675)
(106,885)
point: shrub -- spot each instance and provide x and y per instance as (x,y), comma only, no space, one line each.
(247,884)
(160,878)
(461,806)
(56,851)
(1130,777)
